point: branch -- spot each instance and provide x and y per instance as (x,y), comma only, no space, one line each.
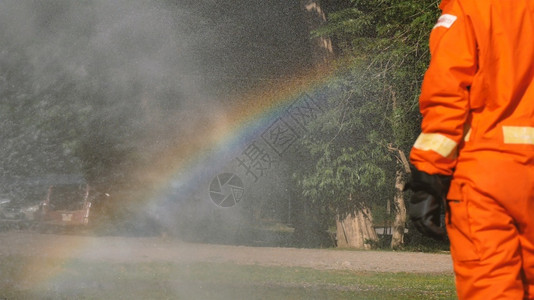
(401,157)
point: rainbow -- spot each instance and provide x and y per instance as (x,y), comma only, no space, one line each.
(226,136)
(221,141)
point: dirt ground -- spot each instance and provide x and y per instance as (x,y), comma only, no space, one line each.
(147,249)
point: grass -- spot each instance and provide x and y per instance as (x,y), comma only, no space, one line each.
(48,278)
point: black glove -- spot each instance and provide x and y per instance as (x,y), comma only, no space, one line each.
(430,193)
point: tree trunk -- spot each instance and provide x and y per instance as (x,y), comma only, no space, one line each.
(356,230)
(321,47)
(397,238)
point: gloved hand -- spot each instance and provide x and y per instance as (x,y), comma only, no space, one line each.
(430,192)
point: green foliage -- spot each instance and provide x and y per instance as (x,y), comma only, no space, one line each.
(374,112)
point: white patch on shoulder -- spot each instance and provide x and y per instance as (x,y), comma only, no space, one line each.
(446,21)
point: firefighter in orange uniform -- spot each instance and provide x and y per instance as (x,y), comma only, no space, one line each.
(476,149)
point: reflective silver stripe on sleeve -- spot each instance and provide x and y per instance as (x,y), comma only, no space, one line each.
(445,20)
(435,142)
(518,135)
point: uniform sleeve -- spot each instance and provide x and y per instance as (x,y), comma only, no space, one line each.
(444,99)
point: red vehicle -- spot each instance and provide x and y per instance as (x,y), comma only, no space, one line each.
(65,205)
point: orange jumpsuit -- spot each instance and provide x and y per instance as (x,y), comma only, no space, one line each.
(477,102)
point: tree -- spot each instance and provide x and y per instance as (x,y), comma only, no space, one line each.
(92,88)
(360,145)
